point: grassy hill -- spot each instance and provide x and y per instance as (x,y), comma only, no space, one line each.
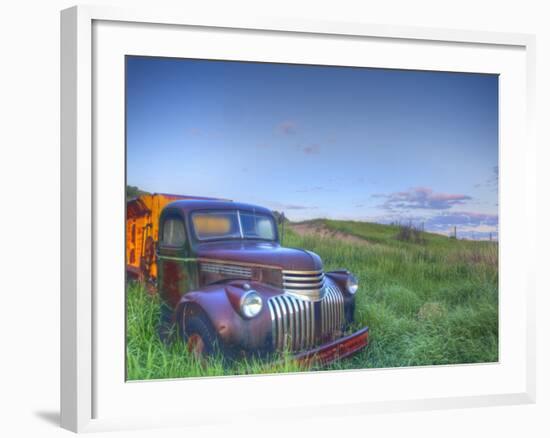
(428,301)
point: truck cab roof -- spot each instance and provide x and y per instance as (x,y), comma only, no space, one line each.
(189,205)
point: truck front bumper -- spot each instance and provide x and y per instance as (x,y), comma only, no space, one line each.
(338,349)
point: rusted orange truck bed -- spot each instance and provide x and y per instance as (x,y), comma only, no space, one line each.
(142,220)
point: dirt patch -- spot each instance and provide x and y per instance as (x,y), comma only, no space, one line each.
(320,230)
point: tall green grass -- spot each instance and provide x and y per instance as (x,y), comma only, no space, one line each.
(147,357)
(425,304)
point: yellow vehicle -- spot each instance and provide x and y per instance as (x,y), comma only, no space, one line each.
(142,227)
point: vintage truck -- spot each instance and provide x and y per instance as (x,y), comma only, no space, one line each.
(229,286)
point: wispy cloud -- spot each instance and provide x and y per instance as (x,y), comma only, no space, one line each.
(282,206)
(298,207)
(314,189)
(463,219)
(308,148)
(312,149)
(288,127)
(421,198)
(491,182)
(470,225)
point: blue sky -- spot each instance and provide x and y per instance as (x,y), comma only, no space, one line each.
(316,141)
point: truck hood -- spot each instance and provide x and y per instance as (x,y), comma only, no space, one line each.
(265,254)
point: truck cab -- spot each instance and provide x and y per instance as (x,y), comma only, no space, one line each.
(229,286)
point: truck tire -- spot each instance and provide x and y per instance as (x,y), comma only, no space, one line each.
(200,337)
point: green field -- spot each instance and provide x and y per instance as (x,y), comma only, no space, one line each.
(427,301)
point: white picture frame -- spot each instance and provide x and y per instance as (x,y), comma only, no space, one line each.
(93,395)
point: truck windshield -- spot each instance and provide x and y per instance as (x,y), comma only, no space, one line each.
(233,224)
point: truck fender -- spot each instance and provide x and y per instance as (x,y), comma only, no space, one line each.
(340,277)
(212,304)
(232,329)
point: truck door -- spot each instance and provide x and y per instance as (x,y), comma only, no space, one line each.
(173,253)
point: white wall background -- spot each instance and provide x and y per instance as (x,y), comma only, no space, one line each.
(29,213)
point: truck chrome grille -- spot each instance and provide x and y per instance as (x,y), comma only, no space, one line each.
(293,322)
(230,270)
(304,284)
(332,311)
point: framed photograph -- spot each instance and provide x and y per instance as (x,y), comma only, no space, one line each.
(317,218)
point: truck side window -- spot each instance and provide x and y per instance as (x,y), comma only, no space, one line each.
(173,232)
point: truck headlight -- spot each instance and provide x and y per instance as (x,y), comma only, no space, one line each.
(251,304)
(352,284)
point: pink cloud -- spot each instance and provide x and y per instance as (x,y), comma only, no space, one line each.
(422,198)
(287,127)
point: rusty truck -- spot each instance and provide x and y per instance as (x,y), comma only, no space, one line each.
(228,285)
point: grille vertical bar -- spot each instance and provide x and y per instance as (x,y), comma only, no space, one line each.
(292,323)
(332,311)
(293,320)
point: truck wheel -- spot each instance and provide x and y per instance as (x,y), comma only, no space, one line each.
(202,340)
